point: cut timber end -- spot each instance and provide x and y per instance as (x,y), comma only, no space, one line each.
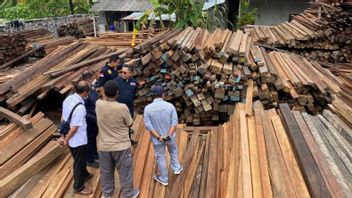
(13,117)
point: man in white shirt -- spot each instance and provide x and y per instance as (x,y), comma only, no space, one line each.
(76,138)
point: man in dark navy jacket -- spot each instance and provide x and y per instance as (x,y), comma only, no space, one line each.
(127,91)
(91,118)
(109,71)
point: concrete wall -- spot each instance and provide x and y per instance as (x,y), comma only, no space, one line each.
(51,24)
(272,12)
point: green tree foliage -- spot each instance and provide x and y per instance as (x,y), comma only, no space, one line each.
(41,8)
(188,13)
(246,15)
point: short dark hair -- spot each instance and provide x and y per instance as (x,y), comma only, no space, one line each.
(114,58)
(87,75)
(130,68)
(81,87)
(111,88)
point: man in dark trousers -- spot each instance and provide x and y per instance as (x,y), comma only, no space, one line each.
(76,138)
(127,92)
(91,118)
(109,71)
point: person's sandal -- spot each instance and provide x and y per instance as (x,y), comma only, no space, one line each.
(85,191)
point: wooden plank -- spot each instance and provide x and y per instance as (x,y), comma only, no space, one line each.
(295,174)
(246,171)
(254,158)
(339,175)
(175,191)
(11,149)
(27,151)
(315,182)
(323,166)
(147,177)
(203,189)
(191,172)
(263,161)
(280,187)
(13,117)
(249,98)
(50,152)
(211,184)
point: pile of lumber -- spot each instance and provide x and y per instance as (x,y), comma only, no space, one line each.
(36,35)
(26,88)
(121,39)
(257,153)
(206,74)
(322,32)
(80,28)
(26,148)
(11,46)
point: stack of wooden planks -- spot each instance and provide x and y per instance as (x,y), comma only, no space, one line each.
(121,39)
(80,28)
(25,149)
(322,32)
(24,89)
(11,46)
(206,74)
(257,153)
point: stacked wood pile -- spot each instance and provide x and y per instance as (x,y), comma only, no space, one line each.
(321,32)
(11,46)
(205,76)
(80,28)
(24,89)
(25,151)
(36,35)
(267,154)
(120,40)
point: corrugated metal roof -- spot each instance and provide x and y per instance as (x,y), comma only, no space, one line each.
(211,3)
(122,5)
(137,15)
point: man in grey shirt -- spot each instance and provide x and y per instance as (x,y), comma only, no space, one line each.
(160,119)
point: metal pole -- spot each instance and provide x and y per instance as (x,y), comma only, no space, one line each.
(94,26)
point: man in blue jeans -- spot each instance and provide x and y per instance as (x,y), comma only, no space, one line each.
(160,119)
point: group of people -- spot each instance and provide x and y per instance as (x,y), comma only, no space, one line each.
(100,116)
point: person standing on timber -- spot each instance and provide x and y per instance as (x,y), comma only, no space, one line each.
(91,118)
(114,145)
(127,92)
(76,137)
(160,119)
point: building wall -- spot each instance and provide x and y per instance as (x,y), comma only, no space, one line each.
(272,12)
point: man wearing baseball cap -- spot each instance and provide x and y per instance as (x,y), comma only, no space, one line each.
(160,119)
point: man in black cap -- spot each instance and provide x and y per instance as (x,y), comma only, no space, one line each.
(160,119)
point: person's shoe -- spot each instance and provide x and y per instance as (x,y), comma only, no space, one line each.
(157,178)
(134,142)
(85,191)
(94,164)
(136,193)
(179,171)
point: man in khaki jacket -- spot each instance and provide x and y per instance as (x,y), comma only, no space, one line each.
(113,143)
